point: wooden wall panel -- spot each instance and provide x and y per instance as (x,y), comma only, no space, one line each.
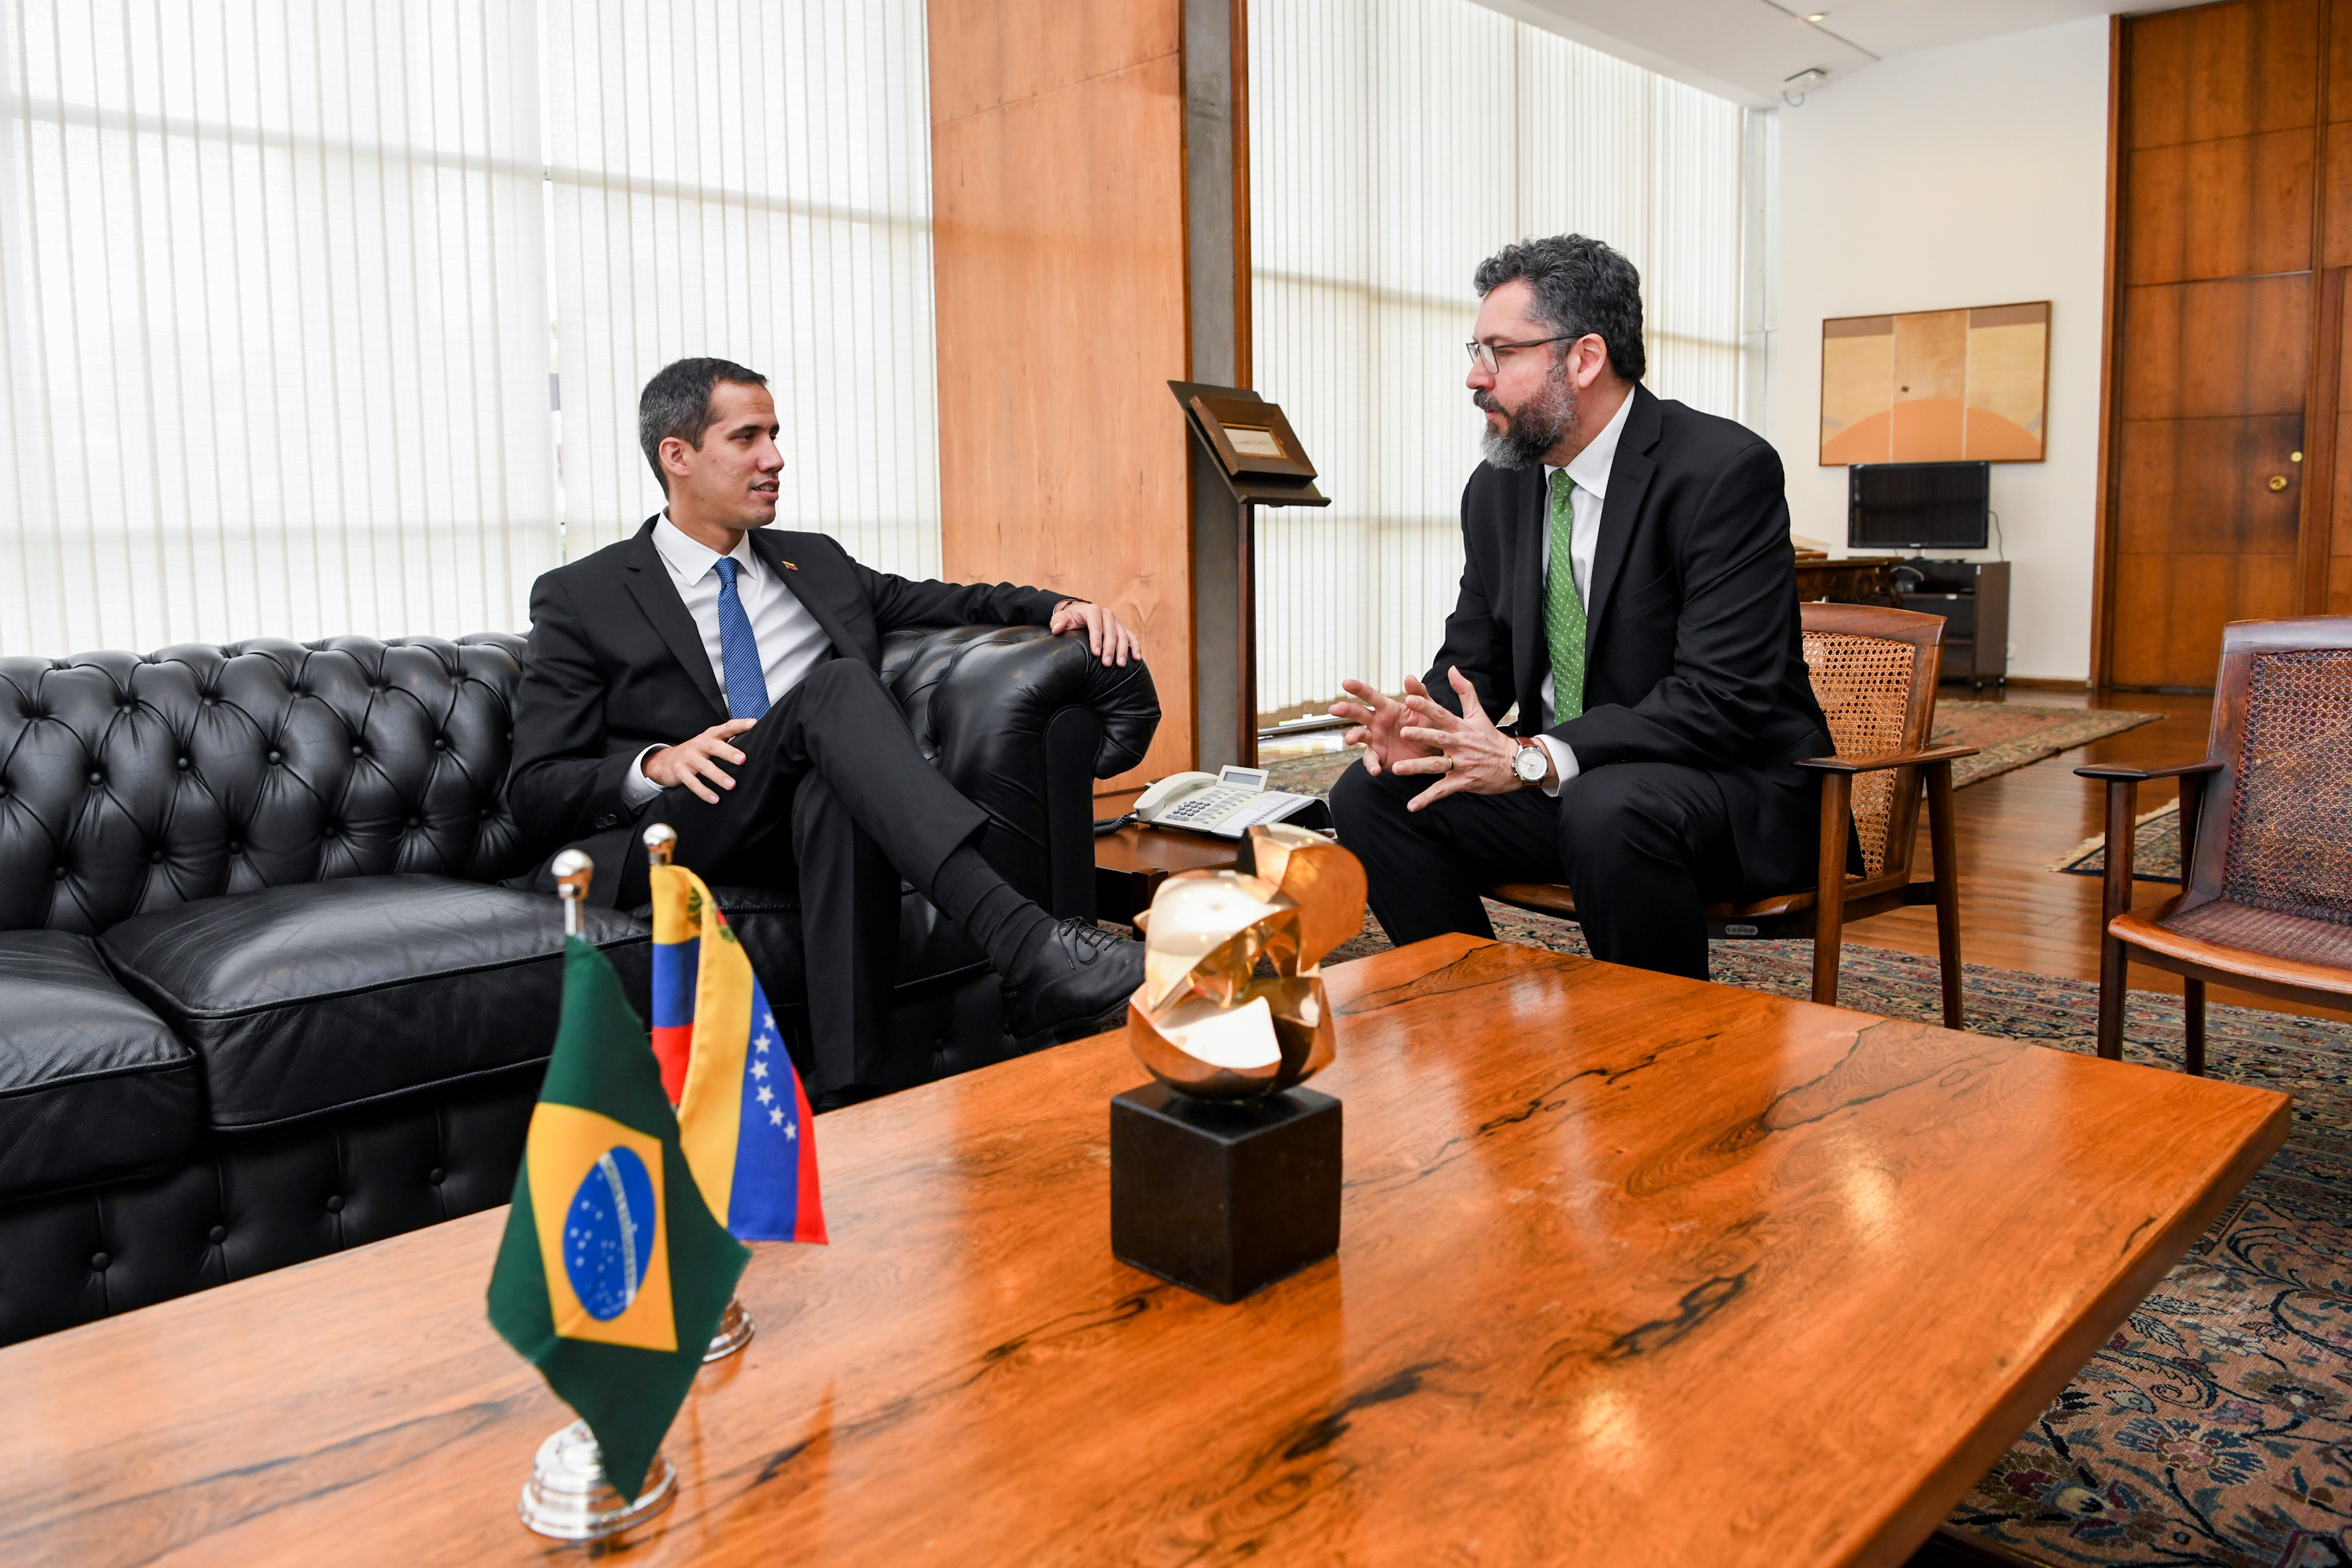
(2170,611)
(2222,71)
(2221,209)
(2334,592)
(2218,224)
(2235,346)
(2198,487)
(1059,267)
(987,54)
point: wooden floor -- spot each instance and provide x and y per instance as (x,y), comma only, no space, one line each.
(2016,913)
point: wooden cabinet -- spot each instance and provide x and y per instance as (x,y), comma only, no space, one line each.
(2232,216)
(1973,598)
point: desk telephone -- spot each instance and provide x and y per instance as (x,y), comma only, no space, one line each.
(1228,803)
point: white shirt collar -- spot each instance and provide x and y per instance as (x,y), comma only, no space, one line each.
(689,558)
(1589,470)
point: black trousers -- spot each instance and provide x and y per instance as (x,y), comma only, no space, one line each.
(834,798)
(1643,845)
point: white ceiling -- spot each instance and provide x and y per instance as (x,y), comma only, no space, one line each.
(1744,50)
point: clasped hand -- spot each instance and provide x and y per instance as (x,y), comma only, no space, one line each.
(1415,735)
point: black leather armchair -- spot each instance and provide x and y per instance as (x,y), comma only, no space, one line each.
(264,994)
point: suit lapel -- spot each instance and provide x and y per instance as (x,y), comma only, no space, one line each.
(1529,656)
(656,596)
(1629,483)
(809,582)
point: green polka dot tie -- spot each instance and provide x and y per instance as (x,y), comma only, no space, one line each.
(1563,610)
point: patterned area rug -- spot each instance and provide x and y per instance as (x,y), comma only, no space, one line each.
(2214,1429)
(2007,735)
(2156,849)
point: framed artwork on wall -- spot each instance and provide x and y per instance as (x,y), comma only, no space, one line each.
(1936,386)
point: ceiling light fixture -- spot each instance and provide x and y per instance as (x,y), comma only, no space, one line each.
(1817,16)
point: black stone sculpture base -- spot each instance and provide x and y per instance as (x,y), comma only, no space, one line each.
(1224,1198)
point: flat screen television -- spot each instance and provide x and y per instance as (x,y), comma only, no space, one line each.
(1919,506)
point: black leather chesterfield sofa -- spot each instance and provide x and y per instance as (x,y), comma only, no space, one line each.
(272,978)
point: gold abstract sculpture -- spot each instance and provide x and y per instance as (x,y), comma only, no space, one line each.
(1204,1020)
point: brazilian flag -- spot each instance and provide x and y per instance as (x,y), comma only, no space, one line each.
(613,1275)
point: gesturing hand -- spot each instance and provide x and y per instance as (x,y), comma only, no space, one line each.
(1475,755)
(1378,718)
(679,765)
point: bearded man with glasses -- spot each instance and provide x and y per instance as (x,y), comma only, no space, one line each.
(1628,586)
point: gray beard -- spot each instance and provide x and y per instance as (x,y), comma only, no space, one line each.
(1528,434)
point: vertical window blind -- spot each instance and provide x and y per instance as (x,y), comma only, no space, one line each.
(283,288)
(1394,145)
(751,181)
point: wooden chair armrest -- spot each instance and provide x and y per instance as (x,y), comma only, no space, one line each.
(1887,759)
(2117,773)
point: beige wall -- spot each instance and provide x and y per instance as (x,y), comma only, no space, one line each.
(1060,257)
(1969,175)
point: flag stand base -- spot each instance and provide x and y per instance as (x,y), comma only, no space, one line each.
(735,1332)
(569,1499)
(1224,1196)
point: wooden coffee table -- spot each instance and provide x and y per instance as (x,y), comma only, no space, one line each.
(1634,1270)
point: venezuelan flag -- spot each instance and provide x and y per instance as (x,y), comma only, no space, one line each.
(743,1118)
(678,906)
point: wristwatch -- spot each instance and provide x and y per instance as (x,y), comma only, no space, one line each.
(1532,763)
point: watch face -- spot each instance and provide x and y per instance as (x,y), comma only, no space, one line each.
(1530,763)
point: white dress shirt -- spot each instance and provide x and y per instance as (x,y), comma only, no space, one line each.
(791,643)
(1589,472)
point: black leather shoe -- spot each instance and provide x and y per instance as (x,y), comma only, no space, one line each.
(1082,972)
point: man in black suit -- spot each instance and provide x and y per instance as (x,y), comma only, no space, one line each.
(722,677)
(1629,583)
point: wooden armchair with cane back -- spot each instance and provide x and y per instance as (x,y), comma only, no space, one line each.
(1874,672)
(2266,903)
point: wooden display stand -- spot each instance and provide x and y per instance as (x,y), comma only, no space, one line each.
(1250,490)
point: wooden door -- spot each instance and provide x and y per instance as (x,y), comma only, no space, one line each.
(2219,309)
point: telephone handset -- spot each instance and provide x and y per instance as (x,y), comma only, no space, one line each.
(1148,803)
(1227,803)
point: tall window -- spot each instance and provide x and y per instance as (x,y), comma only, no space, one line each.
(287,292)
(1394,145)
(752,181)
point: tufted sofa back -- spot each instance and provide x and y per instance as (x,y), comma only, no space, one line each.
(131,782)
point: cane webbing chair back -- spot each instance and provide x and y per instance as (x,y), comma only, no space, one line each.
(1864,685)
(1873,672)
(2266,825)
(2289,846)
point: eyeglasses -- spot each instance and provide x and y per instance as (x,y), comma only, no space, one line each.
(1486,357)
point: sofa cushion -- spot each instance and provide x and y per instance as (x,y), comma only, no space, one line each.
(325,997)
(92,1085)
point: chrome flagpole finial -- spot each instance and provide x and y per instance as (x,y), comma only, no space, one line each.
(573,870)
(661,843)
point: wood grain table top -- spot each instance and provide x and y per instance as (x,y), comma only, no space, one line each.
(1632,1269)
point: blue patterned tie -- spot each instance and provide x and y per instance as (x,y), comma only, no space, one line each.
(739,653)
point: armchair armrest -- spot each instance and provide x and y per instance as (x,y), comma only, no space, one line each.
(2117,773)
(1024,722)
(1882,760)
(2123,799)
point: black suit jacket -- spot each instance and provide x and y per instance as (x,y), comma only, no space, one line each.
(1692,649)
(615,664)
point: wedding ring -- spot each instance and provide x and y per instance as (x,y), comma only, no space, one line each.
(1448,767)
